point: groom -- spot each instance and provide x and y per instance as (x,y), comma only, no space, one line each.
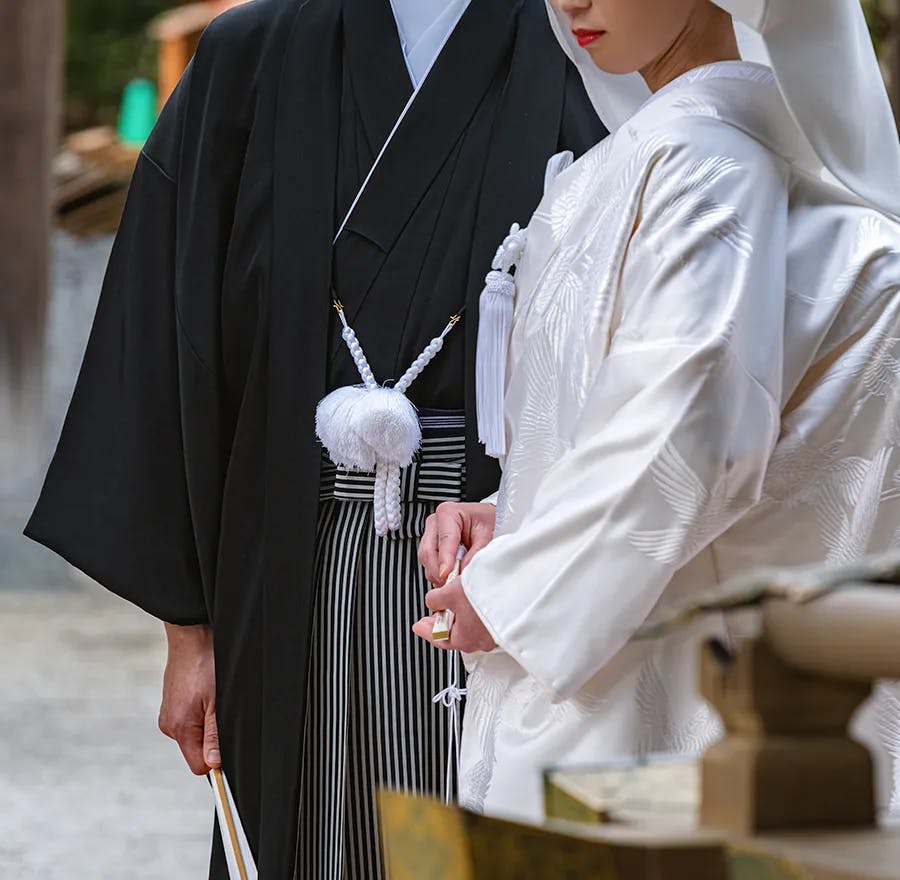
(188,478)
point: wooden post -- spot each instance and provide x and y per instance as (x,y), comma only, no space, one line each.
(786,760)
(174,56)
(30,74)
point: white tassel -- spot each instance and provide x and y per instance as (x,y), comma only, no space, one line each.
(496,308)
(335,417)
(496,313)
(388,422)
(362,427)
(370,428)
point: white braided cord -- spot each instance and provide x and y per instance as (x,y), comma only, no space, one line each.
(419,364)
(392,497)
(356,350)
(380,500)
(387,508)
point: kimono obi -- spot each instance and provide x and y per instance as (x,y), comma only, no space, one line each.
(437,474)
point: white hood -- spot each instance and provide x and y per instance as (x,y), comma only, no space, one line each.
(826,69)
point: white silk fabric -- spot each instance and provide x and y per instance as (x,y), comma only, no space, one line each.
(704,377)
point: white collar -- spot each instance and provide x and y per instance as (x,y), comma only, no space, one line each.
(424,26)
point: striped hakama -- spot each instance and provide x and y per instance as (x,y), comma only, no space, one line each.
(371,720)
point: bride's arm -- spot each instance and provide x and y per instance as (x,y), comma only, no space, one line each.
(676,429)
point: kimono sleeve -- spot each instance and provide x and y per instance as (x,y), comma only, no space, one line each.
(676,429)
(115,501)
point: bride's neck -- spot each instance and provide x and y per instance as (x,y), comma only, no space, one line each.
(707,38)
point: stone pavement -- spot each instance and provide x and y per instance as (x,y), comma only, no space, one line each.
(89,789)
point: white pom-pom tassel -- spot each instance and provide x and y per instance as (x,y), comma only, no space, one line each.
(361,426)
(390,425)
(372,429)
(495,321)
(336,416)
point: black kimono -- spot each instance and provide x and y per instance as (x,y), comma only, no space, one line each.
(187,478)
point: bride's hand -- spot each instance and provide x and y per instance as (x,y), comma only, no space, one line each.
(469,633)
(452,524)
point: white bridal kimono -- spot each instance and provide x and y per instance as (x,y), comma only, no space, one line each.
(703,376)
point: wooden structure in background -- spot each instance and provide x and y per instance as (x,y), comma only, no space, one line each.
(90,182)
(30,76)
(785,794)
(178,33)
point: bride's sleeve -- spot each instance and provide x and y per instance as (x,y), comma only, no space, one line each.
(676,428)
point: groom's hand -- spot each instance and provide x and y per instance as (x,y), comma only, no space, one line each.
(469,634)
(188,710)
(452,524)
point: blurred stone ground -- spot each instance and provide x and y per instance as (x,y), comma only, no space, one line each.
(89,789)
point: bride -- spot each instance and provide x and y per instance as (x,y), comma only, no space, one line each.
(702,375)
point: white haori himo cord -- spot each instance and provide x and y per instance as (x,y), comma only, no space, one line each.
(371,427)
(241,865)
(496,309)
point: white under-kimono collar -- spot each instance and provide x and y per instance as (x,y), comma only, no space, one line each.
(822,57)
(424,26)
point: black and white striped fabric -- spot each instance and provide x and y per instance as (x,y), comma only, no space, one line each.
(437,474)
(371,720)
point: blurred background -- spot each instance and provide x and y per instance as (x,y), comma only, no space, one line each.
(89,789)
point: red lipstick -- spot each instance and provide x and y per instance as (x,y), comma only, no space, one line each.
(585,38)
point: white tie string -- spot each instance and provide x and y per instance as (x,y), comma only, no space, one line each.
(450,698)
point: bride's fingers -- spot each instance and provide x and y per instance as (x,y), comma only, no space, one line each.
(424,629)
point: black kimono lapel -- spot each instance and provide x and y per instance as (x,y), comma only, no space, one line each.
(377,72)
(444,106)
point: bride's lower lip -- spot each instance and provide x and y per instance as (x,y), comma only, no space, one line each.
(585,38)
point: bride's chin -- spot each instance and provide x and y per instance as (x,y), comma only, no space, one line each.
(603,61)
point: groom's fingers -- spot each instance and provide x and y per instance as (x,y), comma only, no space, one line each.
(428,550)
(441,598)
(440,542)
(450,533)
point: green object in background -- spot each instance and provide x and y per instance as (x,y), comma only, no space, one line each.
(747,865)
(138,112)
